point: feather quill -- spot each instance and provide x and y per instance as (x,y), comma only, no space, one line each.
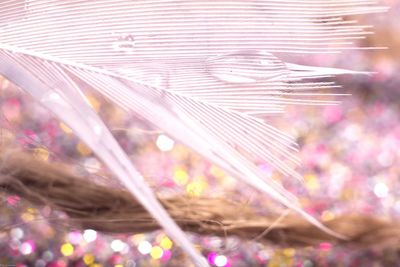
(206,72)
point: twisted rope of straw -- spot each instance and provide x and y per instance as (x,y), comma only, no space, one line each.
(90,205)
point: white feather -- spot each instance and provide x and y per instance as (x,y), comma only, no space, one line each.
(206,72)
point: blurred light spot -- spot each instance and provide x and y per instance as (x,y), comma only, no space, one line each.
(220,260)
(88,259)
(156,252)
(181,177)
(67,249)
(89,235)
(117,245)
(144,247)
(196,188)
(17,233)
(381,190)
(166,243)
(26,248)
(352,132)
(164,143)
(312,182)
(75,237)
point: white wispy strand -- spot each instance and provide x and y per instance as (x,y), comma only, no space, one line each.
(208,73)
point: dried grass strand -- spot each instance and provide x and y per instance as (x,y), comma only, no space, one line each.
(113,210)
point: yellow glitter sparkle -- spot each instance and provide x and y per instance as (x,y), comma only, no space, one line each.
(196,188)
(67,249)
(166,243)
(156,252)
(88,259)
(181,177)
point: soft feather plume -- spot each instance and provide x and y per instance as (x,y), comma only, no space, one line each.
(206,72)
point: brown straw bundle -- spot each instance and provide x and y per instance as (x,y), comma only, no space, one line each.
(90,205)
